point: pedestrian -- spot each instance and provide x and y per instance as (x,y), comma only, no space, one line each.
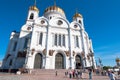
(90,74)
(73,73)
(108,72)
(119,72)
(112,76)
(9,70)
(76,73)
(56,73)
(70,74)
(80,74)
(66,73)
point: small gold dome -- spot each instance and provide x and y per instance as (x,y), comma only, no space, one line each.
(77,15)
(58,9)
(117,60)
(34,8)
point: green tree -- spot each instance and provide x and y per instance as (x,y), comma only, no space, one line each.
(106,67)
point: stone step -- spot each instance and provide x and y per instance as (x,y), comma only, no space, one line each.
(48,71)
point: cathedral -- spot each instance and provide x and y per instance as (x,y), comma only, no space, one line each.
(50,41)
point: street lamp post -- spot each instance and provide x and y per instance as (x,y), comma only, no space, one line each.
(100,62)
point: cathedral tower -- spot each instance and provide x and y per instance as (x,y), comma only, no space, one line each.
(33,13)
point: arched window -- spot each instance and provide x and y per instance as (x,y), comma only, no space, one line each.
(10,63)
(80,21)
(78,60)
(50,17)
(26,43)
(38,61)
(59,61)
(31,16)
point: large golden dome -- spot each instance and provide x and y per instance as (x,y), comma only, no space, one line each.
(34,8)
(58,9)
(77,15)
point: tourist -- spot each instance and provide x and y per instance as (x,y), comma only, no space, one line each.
(112,76)
(9,70)
(97,72)
(56,73)
(90,74)
(73,73)
(80,73)
(76,73)
(119,72)
(66,73)
(70,74)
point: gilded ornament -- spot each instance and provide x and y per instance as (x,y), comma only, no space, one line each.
(82,53)
(73,53)
(33,50)
(88,57)
(67,53)
(44,51)
(51,52)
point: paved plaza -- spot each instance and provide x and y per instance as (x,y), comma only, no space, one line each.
(8,76)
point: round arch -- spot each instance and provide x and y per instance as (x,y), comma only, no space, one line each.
(78,60)
(38,61)
(59,61)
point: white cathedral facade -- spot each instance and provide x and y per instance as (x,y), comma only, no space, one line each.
(50,42)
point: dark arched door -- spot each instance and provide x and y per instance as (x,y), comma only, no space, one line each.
(38,61)
(59,61)
(78,62)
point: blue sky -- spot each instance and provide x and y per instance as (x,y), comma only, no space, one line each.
(101,19)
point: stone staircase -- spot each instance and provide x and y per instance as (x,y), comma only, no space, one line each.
(48,71)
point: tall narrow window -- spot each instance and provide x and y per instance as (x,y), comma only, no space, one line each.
(80,21)
(26,43)
(59,40)
(56,39)
(15,45)
(31,16)
(77,41)
(40,38)
(63,42)
(10,63)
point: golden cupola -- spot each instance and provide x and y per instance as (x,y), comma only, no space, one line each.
(117,60)
(54,9)
(77,15)
(34,8)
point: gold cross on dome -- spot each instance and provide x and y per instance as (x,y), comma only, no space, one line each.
(54,2)
(35,2)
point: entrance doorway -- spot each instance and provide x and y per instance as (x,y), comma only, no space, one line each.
(78,62)
(38,61)
(59,61)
